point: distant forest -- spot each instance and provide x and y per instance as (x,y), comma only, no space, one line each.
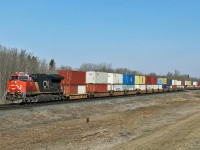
(14,60)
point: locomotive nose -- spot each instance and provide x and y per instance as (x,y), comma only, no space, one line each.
(14,87)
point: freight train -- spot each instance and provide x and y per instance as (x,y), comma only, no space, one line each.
(68,85)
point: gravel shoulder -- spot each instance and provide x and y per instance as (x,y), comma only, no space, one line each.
(163,121)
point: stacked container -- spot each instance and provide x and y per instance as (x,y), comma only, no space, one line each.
(140,82)
(73,82)
(96,81)
(128,82)
(151,83)
(115,82)
(195,84)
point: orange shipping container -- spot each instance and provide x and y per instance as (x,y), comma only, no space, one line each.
(96,88)
(72,77)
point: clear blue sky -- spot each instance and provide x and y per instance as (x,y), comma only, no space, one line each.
(144,35)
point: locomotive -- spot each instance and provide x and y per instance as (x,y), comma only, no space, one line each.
(25,88)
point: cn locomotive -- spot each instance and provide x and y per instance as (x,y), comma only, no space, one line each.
(25,88)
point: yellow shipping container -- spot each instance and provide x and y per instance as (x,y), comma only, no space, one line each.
(164,80)
(137,80)
(142,79)
(189,83)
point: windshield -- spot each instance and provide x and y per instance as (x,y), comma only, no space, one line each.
(22,78)
(13,78)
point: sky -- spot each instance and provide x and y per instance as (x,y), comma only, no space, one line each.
(145,35)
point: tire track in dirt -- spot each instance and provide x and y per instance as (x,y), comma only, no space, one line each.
(185,134)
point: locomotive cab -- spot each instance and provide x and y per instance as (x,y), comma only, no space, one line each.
(17,82)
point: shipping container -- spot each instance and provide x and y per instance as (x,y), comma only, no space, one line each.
(137,80)
(169,81)
(166,86)
(96,88)
(148,80)
(195,83)
(70,89)
(155,87)
(81,89)
(164,81)
(114,78)
(142,80)
(174,82)
(151,80)
(142,87)
(174,86)
(72,77)
(96,77)
(159,81)
(137,87)
(189,83)
(91,77)
(128,79)
(117,87)
(199,83)
(149,87)
(160,87)
(128,87)
(182,82)
(178,82)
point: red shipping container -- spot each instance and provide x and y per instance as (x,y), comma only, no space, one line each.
(148,80)
(151,80)
(72,89)
(72,77)
(154,80)
(182,82)
(174,86)
(96,88)
(198,83)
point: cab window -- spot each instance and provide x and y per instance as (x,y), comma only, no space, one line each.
(23,78)
(13,78)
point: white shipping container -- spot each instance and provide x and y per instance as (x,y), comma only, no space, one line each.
(186,82)
(160,87)
(81,89)
(109,87)
(114,78)
(129,87)
(101,78)
(174,82)
(178,82)
(149,87)
(142,87)
(96,77)
(90,77)
(137,87)
(117,88)
(155,87)
(195,83)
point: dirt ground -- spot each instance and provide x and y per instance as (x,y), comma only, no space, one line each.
(150,122)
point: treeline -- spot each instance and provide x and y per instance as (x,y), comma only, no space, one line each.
(108,68)
(13,60)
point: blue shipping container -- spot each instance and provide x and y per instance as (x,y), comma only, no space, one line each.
(159,81)
(128,79)
(166,86)
(169,81)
